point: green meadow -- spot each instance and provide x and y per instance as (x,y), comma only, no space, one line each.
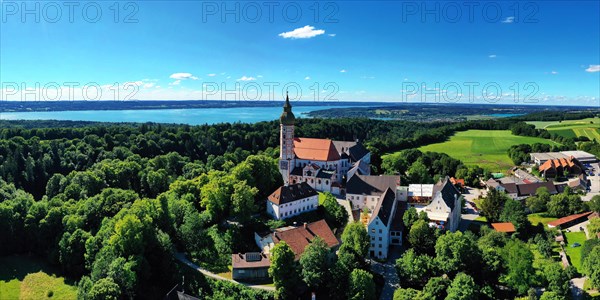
(485,148)
(24,278)
(589,127)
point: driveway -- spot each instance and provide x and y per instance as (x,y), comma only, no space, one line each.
(388,271)
(594,188)
(577,287)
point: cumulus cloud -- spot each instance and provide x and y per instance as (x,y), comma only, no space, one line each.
(307,78)
(331,34)
(492,56)
(246,78)
(211,75)
(343,71)
(180,76)
(593,68)
(305,32)
(553,72)
(508,20)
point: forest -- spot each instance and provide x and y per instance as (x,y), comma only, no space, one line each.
(110,204)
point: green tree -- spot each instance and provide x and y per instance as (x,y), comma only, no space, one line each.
(594,204)
(418,173)
(410,217)
(104,289)
(549,295)
(406,294)
(356,239)
(558,280)
(435,288)
(514,213)
(283,270)
(519,261)
(491,206)
(414,269)
(422,237)
(538,202)
(593,228)
(362,286)
(463,287)
(242,201)
(335,215)
(590,267)
(456,251)
(314,263)
(72,250)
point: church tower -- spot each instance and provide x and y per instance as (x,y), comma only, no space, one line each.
(286,141)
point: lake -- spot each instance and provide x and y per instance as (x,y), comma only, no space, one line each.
(192,116)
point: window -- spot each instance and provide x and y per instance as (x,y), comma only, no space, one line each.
(327,182)
(380,231)
(373,230)
(372,238)
(379,245)
(380,239)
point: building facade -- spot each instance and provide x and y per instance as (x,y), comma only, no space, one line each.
(291,200)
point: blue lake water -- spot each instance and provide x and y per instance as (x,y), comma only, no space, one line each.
(193,116)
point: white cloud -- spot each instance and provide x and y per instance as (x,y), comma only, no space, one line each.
(228,77)
(176,82)
(302,33)
(180,76)
(149,85)
(331,34)
(211,75)
(553,72)
(307,78)
(492,56)
(508,20)
(245,78)
(259,76)
(343,71)
(593,68)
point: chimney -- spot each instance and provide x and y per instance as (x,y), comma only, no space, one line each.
(305,225)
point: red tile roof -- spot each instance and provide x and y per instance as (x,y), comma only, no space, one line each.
(455,181)
(504,227)
(298,238)
(315,149)
(567,219)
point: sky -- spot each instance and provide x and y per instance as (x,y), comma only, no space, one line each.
(501,52)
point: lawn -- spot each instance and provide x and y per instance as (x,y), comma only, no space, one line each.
(534,219)
(485,148)
(24,277)
(574,253)
(589,127)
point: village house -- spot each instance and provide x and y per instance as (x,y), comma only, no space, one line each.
(520,191)
(445,207)
(321,163)
(251,266)
(297,237)
(560,167)
(292,200)
(375,200)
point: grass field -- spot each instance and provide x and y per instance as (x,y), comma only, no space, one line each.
(589,127)
(534,219)
(574,253)
(485,148)
(23,277)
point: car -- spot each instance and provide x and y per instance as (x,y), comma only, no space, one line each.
(575,245)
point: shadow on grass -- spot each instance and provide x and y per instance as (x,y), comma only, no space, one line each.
(19,266)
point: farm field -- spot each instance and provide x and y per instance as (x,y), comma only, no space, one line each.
(485,148)
(589,127)
(23,277)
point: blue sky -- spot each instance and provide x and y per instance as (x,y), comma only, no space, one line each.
(349,51)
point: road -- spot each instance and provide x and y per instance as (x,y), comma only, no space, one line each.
(181,257)
(388,271)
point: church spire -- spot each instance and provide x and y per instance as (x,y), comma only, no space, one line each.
(287,116)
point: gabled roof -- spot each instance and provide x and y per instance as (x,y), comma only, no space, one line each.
(447,191)
(285,194)
(371,185)
(504,227)
(384,207)
(529,189)
(315,149)
(568,219)
(299,237)
(397,221)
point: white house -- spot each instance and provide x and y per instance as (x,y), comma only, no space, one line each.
(380,202)
(292,200)
(446,205)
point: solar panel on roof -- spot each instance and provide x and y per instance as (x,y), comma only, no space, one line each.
(253,256)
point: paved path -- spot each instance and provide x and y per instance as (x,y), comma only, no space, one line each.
(577,287)
(181,257)
(392,282)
